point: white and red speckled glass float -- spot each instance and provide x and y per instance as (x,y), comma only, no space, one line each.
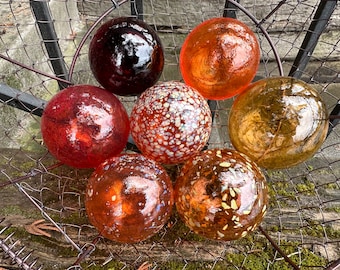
(221,194)
(170,122)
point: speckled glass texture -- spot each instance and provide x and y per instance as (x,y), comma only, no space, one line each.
(170,122)
(221,194)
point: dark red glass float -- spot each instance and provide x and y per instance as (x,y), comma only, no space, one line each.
(126,56)
(83,125)
(129,198)
(219,58)
(221,194)
(170,122)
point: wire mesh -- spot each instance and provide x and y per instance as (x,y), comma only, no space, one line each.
(303,221)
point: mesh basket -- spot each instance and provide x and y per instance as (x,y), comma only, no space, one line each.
(43,47)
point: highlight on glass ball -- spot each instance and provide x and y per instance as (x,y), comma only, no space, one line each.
(170,122)
(129,198)
(83,125)
(221,194)
(278,122)
(219,58)
(126,56)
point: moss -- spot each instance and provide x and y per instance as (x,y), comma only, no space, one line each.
(113,265)
(16,210)
(335,209)
(302,257)
(280,189)
(332,186)
(316,229)
(193,265)
(32,141)
(12,81)
(307,187)
(310,168)
(75,218)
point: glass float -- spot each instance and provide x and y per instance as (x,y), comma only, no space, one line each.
(170,122)
(219,58)
(129,198)
(83,125)
(126,56)
(221,194)
(278,122)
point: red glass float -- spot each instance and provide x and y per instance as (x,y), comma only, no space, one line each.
(221,194)
(126,56)
(129,198)
(83,125)
(219,58)
(170,122)
(278,122)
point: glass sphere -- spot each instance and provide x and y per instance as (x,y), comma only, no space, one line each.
(170,122)
(219,58)
(221,194)
(83,125)
(126,56)
(129,198)
(278,122)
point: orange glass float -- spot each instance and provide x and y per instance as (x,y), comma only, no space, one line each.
(219,58)
(278,122)
(221,194)
(129,198)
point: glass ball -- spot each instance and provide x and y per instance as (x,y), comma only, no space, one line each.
(83,125)
(170,122)
(219,58)
(126,56)
(278,122)
(129,198)
(221,194)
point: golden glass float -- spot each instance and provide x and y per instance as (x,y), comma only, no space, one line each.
(278,122)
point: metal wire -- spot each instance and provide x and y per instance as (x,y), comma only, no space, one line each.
(301,229)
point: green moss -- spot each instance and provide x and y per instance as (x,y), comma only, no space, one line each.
(280,189)
(332,186)
(16,210)
(12,81)
(113,265)
(32,141)
(307,187)
(310,168)
(316,229)
(76,218)
(302,257)
(335,209)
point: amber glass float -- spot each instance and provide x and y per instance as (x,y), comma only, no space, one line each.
(278,122)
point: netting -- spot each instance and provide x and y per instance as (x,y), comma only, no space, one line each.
(43,200)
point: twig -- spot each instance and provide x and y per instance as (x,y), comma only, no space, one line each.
(278,249)
(33,172)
